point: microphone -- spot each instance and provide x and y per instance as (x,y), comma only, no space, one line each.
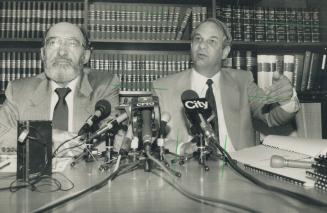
(165,118)
(146,127)
(277,161)
(197,111)
(146,117)
(127,140)
(111,124)
(102,110)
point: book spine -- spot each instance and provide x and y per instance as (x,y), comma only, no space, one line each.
(266,67)
(3,71)
(184,23)
(248,20)
(313,71)
(237,23)
(288,67)
(307,25)
(315,26)
(306,67)
(291,31)
(259,24)
(281,26)
(270,25)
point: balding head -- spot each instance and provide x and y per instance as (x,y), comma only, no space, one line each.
(221,26)
(67,30)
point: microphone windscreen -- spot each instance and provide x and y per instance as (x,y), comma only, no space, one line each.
(104,107)
(189,95)
(277,161)
(165,117)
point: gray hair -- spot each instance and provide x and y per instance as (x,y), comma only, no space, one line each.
(221,25)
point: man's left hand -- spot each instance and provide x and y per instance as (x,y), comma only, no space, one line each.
(280,91)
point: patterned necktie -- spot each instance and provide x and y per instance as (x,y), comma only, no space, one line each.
(212,102)
(60,112)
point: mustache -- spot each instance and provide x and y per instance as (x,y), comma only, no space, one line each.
(55,60)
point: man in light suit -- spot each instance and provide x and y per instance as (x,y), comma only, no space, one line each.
(238,99)
(64,54)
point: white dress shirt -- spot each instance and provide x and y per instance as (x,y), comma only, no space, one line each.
(198,84)
(69,99)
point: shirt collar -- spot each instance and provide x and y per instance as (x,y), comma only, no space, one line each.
(71,85)
(199,82)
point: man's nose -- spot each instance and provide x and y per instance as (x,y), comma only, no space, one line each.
(62,50)
(203,44)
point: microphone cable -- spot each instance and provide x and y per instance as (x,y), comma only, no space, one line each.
(56,203)
(63,143)
(295,195)
(192,195)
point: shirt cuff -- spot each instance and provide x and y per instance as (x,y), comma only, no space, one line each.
(292,105)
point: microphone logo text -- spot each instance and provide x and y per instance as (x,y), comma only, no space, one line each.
(196,104)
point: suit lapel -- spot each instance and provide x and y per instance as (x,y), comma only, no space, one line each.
(183,83)
(230,100)
(82,102)
(38,106)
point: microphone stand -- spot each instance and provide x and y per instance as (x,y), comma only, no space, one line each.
(202,152)
(109,146)
(86,154)
(148,162)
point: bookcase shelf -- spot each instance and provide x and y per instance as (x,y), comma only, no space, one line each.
(141,45)
(312,96)
(278,46)
(134,93)
(20,43)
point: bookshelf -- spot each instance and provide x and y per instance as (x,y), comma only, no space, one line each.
(135,25)
(151,27)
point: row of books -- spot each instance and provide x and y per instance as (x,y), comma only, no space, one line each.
(271,24)
(30,19)
(242,60)
(18,64)
(137,71)
(142,21)
(303,69)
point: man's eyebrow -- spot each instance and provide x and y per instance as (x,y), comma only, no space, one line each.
(73,37)
(198,34)
(216,37)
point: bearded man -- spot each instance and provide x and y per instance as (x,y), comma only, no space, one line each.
(65,82)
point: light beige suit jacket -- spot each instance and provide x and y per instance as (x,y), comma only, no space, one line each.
(29,99)
(241,99)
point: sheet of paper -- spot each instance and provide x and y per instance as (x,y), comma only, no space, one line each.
(307,146)
(58,164)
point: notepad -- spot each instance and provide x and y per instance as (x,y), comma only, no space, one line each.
(257,159)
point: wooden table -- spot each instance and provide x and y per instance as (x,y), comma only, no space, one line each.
(140,191)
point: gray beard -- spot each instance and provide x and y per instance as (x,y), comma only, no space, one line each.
(62,73)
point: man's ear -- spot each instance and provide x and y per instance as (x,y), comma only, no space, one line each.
(86,56)
(42,53)
(226,51)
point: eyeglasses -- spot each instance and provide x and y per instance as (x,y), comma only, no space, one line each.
(55,42)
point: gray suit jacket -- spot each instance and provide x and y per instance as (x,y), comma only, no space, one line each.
(29,99)
(241,101)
